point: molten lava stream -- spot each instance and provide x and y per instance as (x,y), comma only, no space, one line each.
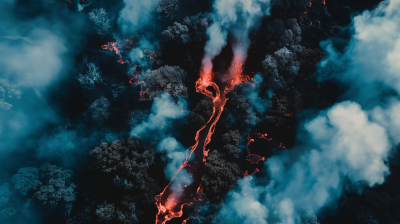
(170,203)
(253,158)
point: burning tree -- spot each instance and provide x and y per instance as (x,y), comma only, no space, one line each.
(101,20)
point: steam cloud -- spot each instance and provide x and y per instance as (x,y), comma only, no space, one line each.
(138,56)
(347,145)
(370,58)
(343,145)
(176,155)
(163,110)
(237,17)
(136,14)
(35,56)
(36,61)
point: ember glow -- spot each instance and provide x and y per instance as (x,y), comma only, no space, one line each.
(253,158)
(143,93)
(263,136)
(170,203)
(246,175)
(115,46)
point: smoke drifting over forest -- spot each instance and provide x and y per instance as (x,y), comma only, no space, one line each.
(184,111)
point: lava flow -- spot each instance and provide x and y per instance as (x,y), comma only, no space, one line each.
(253,158)
(171,201)
(143,93)
(114,46)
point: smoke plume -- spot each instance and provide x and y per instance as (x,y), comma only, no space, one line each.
(370,60)
(163,111)
(348,144)
(342,144)
(237,17)
(136,14)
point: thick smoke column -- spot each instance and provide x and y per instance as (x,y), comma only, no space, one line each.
(236,17)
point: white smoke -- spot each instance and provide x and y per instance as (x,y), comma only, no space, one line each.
(136,14)
(35,62)
(180,180)
(138,56)
(163,111)
(389,118)
(244,206)
(372,56)
(236,17)
(175,155)
(252,95)
(34,55)
(347,146)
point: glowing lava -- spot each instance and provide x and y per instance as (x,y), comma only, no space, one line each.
(171,201)
(143,93)
(253,158)
(263,136)
(115,46)
(246,175)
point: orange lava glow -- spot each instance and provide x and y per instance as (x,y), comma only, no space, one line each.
(263,136)
(289,114)
(169,202)
(246,175)
(115,46)
(253,158)
(143,93)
